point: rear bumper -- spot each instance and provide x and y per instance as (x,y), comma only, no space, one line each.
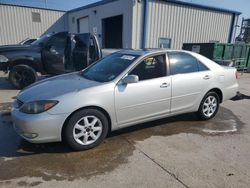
(230,92)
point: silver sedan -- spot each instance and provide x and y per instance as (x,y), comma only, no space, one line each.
(123,89)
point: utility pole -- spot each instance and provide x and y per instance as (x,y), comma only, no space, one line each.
(45,1)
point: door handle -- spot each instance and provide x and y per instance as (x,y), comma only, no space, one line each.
(206,77)
(164,85)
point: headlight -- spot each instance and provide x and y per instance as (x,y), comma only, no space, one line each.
(3,59)
(37,106)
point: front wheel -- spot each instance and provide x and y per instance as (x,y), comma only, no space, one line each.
(209,106)
(22,75)
(86,129)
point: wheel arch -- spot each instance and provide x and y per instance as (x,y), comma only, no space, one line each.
(218,92)
(88,107)
(27,62)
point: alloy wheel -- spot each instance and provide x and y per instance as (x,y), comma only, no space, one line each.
(210,106)
(87,130)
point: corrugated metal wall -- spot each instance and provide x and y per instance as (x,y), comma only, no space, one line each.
(180,23)
(96,14)
(138,10)
(16,23)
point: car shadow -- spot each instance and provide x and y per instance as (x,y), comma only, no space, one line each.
(240,96)
(12,145)
(225,122)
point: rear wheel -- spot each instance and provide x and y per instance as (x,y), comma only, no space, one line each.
(209,106)
(22,75)
(86,129)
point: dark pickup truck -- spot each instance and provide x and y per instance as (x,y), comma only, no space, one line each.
(49,55)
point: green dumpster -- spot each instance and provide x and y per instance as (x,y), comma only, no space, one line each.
(239,55)
(248,56)
(212,51)
(223,53)
(228,52)
(218,51)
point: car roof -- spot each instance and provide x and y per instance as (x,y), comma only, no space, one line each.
(147,51)
(209,63)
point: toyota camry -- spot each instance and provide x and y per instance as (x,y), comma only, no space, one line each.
(123,89)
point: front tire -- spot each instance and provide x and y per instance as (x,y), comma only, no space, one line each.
(86,129)
(209,106)
(22,75)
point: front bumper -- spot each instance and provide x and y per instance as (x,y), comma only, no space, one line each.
(38,128)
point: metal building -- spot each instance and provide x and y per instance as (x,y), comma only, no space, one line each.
(20,22)
(153,23)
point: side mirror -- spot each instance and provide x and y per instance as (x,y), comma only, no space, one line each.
(130,79)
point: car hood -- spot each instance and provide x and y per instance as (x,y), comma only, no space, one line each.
(17,47)
(56,86)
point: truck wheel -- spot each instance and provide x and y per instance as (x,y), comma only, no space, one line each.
(22,75)
(86,129)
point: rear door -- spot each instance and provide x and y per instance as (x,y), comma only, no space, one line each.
(53,53)
(190,80)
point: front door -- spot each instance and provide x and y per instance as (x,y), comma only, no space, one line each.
(148,98)
(53,53)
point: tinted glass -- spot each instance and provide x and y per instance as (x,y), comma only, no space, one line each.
(79,48)
(42,39)
(58,42)
(81,41)
(181,63)
(202,67)
(152,67)
(109,68)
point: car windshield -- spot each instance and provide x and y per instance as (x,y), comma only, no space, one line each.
(108,68)
(40,40)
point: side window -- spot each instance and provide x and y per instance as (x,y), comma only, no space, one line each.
(151,67)
(181,63)
(202,67)
(58,43)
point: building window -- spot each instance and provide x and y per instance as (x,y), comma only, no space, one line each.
(36,17)
(164,43)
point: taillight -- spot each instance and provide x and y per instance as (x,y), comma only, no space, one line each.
(236,74)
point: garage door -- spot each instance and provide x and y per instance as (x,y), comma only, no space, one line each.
(83,25)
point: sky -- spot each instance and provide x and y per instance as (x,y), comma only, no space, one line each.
(238,5)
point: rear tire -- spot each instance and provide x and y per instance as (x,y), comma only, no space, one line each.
(209,106)
(86,129)
(21,76)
